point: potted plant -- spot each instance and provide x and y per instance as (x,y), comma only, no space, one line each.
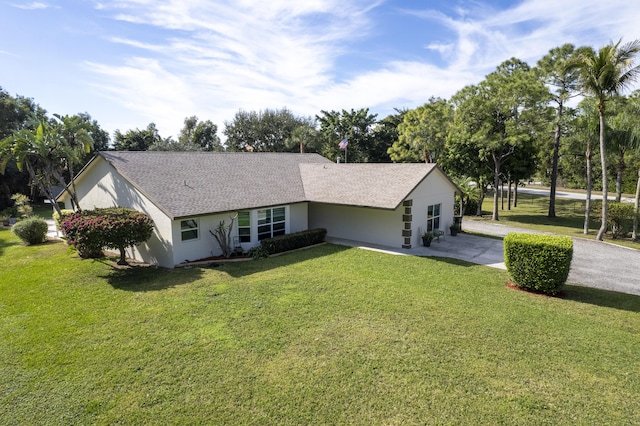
(454,228)
(427,237)
(4,216)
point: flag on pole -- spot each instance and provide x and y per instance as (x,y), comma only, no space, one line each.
(343,144)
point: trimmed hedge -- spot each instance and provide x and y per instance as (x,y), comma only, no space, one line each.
(31,231)
(297,240)
(536,262)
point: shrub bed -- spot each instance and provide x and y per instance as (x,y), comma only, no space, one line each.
(297,240)
(31,231)
(538,263)
(620,219)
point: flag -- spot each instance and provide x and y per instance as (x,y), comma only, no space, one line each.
(343,144)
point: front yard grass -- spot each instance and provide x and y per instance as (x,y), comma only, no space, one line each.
(328,335)
(532,211)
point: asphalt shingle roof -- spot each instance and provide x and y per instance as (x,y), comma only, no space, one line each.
(377,185)
(197,183)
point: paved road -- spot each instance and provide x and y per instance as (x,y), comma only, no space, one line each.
(571,195)
(595,264)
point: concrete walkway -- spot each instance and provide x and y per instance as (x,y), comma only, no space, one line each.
(52,231)
(595,264)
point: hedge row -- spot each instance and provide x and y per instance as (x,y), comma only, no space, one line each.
(297,240)
(536,262)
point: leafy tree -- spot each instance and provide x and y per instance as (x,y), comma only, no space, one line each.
(202,134)
(557,70)
(136,140)
(385,134)
(76,143)
(500,114)
(356,126)
(15,113)
(423,132)
(605,73)
(36,151)
(263,131)
(306,137)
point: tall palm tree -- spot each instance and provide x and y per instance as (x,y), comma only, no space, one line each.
(605,73)
(77,142)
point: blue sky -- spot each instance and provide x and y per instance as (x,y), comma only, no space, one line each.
(132,62)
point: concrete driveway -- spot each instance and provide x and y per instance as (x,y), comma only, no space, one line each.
(595,264)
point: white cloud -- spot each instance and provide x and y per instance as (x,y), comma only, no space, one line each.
(219,57)
(32,6)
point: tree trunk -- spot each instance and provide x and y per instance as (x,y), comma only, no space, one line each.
(122,260)
(496,184)
(515,192)
(605,184)
(509,194)
(620,171)
(634,234)
(483,192)
(554,163)
(587,207)
(501,194)
(46,190)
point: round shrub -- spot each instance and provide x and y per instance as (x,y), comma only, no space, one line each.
(538,263)
(84,233)
(31,231)
(59,217)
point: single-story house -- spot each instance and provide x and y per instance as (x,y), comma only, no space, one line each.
(189,193)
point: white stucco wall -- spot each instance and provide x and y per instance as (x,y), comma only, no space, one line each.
(358,223)
(385,227)
(206,245)
(435,189)
(101,186)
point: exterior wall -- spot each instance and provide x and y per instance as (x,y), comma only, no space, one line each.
(299,217)
(101,186)
(435,189)
(206,245)
(402,227)
(369,225)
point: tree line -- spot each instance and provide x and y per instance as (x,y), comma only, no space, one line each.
(520,121)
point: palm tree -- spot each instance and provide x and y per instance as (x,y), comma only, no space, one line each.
(77,142)
(32,150)
(605,73)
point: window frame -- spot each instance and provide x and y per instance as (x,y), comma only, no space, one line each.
(244,238)
(433,219)
(268,227)
(184,230)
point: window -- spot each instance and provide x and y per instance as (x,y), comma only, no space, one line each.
(433,217)
(271,222)
(244,227)
(189,229)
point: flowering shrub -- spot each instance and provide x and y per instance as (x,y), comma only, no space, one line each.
(90,231)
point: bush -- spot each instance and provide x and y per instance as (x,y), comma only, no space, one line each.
(297,240)
(31,231)
(90,231)
(538,263)
(59,217)
(620,218)
(22,206)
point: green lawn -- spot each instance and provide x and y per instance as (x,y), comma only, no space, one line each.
(327,335)
(532,211)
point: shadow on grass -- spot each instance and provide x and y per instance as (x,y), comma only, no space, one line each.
(451,261)
(243,269)
(150,278)
(603,298)
(5,242)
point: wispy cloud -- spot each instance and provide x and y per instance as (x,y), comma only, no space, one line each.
(32,6)
(214,58)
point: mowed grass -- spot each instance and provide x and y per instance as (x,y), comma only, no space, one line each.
(327,335)
(532,213)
